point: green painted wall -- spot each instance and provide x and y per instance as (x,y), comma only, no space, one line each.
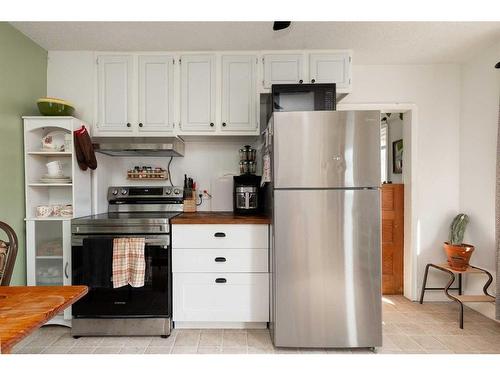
(23,79)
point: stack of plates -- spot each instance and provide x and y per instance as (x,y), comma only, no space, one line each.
(55,180)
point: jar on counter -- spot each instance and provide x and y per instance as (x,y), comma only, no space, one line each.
(248,153)
(248,167)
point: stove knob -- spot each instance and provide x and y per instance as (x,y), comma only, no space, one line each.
(177,191)
(124,192)
(115,192)
(168,191)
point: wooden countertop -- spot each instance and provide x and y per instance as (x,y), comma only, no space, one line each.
(218,217)
(23,309)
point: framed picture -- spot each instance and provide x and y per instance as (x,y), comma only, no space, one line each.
(397,156)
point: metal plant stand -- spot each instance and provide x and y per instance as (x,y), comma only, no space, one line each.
(460,299)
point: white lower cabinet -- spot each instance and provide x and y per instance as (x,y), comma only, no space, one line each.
(220,275)
(221,297)
(220,260)
(220,236)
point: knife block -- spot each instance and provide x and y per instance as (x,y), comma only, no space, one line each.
(190,202)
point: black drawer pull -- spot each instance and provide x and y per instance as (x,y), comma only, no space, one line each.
(220,280)
(220,234)
(220,259)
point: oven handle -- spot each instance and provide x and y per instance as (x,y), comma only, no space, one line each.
(78,241)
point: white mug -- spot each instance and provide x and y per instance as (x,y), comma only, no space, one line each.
(55,168)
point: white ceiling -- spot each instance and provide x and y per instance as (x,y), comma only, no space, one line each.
(372,42)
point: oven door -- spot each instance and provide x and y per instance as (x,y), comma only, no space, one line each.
(92,266)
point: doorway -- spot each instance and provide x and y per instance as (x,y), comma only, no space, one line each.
(392,202)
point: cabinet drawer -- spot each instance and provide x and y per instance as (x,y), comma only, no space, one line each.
(221,297)
(220,260)
(223,236)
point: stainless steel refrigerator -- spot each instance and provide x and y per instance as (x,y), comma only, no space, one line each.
(326,252)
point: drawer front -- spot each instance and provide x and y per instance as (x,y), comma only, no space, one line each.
(220,260)
(223,236)
(221,297)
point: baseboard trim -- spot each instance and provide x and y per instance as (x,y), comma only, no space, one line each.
(220,325)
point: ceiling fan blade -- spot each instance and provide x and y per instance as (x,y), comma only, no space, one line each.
(280,25)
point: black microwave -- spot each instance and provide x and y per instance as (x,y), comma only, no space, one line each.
(304,97)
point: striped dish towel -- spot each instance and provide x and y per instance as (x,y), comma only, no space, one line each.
(129,265)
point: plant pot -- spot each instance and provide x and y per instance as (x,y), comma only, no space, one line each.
(458,255)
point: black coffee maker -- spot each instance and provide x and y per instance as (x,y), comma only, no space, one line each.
(247,184)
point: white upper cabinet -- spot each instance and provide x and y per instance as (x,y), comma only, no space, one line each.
(114,76)
(197,93)
(329,68)
(283,68)
(239,93)
(150,94)
(155,93)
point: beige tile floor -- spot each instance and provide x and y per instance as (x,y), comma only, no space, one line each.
(408,328)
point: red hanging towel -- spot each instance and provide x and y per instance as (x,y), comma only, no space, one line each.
(84,149)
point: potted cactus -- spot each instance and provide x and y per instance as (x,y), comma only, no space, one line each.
(458,253)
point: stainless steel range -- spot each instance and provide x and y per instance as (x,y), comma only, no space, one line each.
(133,211)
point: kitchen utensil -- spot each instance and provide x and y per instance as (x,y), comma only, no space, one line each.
(252,167)
(54,141)
(247,166)
(43,211)
(54,107)
(247,153)
(55,168)
(244,167)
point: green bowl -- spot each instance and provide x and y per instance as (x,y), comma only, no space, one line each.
(54,107)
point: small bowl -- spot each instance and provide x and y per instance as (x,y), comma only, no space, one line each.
(54,107)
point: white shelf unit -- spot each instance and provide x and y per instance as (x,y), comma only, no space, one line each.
(48,239)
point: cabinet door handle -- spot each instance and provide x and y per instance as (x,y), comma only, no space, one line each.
(140,125)
(223,124)
(128,125)
(220,259)
(66,270)
(220,234)
(301,81)
(220,280)
(212,124)
(313,80)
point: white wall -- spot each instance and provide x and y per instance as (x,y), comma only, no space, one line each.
(480,85)
(70,75)
(434,89)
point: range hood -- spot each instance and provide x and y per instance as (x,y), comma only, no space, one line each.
(139,146)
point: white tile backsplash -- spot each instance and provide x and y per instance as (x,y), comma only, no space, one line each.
(204,161)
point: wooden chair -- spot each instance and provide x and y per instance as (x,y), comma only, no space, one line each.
(10,256)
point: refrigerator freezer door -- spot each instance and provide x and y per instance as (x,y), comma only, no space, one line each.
(327,268)
(326,149)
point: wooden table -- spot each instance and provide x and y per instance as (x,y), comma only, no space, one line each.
(23,309)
